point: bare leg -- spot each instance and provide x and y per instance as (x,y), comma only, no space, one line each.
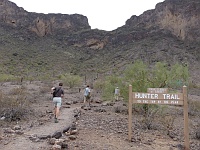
(84,100)
(57,111)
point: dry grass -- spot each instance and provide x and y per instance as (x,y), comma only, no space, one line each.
(14,106)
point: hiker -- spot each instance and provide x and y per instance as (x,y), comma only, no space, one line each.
(117,93)
(58,94)
(87,94)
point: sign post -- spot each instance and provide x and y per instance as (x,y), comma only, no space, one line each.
(186,128)
(159,96)
(130,113)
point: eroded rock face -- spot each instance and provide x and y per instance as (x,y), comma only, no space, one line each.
(181,17)
(41,24)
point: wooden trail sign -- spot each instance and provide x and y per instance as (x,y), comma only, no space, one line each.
(159,96)
(157,90)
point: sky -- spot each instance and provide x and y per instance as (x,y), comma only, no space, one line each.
(102,14)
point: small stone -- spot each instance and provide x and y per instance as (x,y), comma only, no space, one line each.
(59,141)
(19,132)
(198,134)
(72,137)
(67,133)
(3,118)
(56,147)
(68,103)
(52,141)
(57,135)
(64,144)
(17,127)
(34,138)
(8,130)
(73,132)
(66,129)
(1,137)
(44,137)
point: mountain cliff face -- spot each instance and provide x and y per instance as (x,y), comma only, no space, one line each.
(30,41)
(41,24)
(181,17)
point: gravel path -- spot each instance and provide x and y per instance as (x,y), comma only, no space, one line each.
(23,142)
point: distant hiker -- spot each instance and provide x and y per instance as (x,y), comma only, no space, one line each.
(58,94)
(87,94)
(117,93)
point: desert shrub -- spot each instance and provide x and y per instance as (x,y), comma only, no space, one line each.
(149,113)
(108,91)
(70,80)
(194,107)
(107,86)
(136,75)
(17,91)
(14,106)
(99,85)
(45,77)
(45,90)
(178,76)
(7,78)
(167,121)
(141,76)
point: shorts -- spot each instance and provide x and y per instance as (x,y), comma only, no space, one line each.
(57,101)
(87,97)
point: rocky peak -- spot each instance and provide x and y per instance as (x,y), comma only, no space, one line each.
(41,24)
(181,17)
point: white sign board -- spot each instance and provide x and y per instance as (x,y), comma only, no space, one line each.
(157,90)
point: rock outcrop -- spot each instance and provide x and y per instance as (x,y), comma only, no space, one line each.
(181,17)
(41,24)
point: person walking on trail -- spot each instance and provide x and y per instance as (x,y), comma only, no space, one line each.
(58,94)
(87,94)
(117,93)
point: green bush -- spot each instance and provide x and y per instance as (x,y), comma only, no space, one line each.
(107,86)
(7,78)
(141,77)
(70,80)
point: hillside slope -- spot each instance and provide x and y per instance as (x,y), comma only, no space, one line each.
(41,44)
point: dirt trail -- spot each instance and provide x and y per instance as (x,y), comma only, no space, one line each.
(23,142)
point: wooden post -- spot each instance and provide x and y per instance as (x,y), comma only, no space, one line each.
(130,104)
(85,79)
(186,128)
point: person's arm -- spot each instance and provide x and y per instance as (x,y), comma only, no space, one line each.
(52,90)
(62,94)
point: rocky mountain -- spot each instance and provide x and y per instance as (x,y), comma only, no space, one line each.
(41,24)
(35,43)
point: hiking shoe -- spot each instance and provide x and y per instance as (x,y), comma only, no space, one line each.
(56,120)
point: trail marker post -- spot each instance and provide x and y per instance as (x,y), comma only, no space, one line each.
(159,96)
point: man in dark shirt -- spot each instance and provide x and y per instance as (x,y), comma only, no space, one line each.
(58,94)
